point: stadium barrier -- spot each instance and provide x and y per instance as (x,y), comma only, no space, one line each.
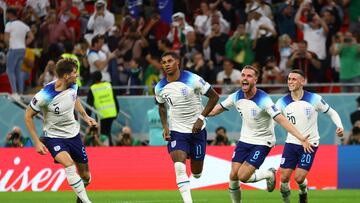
(150,168)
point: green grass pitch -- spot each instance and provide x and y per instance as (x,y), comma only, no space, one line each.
(206,196)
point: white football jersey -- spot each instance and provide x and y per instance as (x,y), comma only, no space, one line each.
(257,117)
(303,114)
(58,110)
(184,100)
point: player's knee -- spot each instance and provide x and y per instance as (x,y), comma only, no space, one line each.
(284,179)
(233,175)
(243,178)
(299,179)
(196,175)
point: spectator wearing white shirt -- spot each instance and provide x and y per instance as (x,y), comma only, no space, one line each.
(99,59)
(40,7)
(178,31)
(229,77)
(315,31)
(101,21)
(18,35)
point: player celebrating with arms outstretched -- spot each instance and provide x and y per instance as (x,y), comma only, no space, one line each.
(301,107)
(182,91)
(257,133)
(57,101)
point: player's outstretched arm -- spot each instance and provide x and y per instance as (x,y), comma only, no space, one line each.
(39,146)
(164,123)
(336,119)
(79,108)
(218,109)
(213,99)
(293,131)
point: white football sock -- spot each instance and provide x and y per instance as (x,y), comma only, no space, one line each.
(260,175)
(183,182)
(285,191)
(303,187)
(76,183)
(235,191)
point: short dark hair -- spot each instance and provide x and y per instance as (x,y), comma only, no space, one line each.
(96,39)
(303,42)
(65,66)
(97,76)
(220,128)
(252,68)
(12,11)
(298,71)
(170,53)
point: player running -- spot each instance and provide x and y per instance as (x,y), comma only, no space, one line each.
(257,133)
(301,108)
(57,101)
(182,91)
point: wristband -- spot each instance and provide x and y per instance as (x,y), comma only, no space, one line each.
(201,117)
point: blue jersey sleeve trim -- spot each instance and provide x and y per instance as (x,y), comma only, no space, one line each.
(276,115)
(327,109)
(33,109)
(224,107)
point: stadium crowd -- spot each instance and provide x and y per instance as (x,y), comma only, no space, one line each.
(215,38)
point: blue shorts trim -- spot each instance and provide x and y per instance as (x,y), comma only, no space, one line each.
(294,155)
(74,146)
(194,144)
(252,154)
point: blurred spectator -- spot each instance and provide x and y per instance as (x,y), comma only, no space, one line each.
(315,31)
(48,75)
(17,35)
(103,98)
(285,50)
(216,18)
(39,7)
(354,14)
(134,72)
(221,139)
(28,66)
(354,137)
(305,60)
(203,68)
(188,50)
(70,15)
(349,52)
(99,59)
(2,56)
(131,44)
(284,18)
(55,30)
(125,138)
(271,74)
(228,12)
(15,139)
(228,78)
(355,116)
(239,47)
(155,127)
(262,32)
(94,139)
(100,22)
(214,45)
(178,31)
(202,18)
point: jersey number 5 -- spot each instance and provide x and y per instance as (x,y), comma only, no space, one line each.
(56,110)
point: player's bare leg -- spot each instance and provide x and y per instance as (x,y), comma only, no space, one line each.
(73,178)
(234,183)
(196,167)
(284,183)
(84,173)
(248,173)
(300,178)
(182,180)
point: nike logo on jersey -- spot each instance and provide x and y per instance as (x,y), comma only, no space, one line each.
(55,104)
(289,113)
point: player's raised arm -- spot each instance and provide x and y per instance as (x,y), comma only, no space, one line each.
(293,131)
(39,146)
(79,108)
(213,99)
(164,123)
